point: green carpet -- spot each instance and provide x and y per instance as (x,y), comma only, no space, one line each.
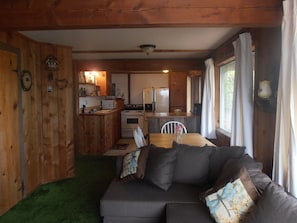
(74,200)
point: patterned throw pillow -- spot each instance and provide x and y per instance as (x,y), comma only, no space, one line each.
(134,164)
(130,164)
(230,204)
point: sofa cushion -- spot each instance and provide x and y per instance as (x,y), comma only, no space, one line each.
(234,201)
(188,213)
(140,199)
(115,219)
(231,171)
(274,206)
(260,180)
(218,158)
(192,164)
(160,167)
(232,167)
(134,164)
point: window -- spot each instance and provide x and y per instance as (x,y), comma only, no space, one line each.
(227,73)
(196,94)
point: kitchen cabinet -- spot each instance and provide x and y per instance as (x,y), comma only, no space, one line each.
(156,120)
(98,132)
(178,91)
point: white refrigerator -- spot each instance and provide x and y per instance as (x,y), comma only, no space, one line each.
(156,99)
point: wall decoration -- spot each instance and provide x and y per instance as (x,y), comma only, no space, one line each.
(266,89)
(26,80)
(61,84)
(51,63)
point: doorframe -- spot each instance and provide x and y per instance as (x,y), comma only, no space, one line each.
(17,51)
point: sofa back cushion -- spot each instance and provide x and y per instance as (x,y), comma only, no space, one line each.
(218,158)
(275,205)
(231,169)
(192,164)
(160,167)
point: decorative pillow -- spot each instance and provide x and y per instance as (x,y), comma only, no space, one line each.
(134,164)
(244,176)
(231,203)
(218,158)
(274,206)
(160,167)
(192,164)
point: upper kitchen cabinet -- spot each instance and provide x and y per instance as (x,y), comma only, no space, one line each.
(178,91)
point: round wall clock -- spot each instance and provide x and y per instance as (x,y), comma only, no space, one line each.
(26,80)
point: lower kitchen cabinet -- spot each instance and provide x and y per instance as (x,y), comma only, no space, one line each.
(98,133)
(155,121)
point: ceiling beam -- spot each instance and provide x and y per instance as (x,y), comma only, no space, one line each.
(136,65)
(139,51)
(75,14)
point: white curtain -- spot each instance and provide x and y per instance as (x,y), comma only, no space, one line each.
(285,150)
(208,127)
(242,111)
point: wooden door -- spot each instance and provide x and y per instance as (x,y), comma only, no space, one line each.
(10,164)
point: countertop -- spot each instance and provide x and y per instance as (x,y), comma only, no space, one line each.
(101,112)
(168,114)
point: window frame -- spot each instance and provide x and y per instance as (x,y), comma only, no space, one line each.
(220,128)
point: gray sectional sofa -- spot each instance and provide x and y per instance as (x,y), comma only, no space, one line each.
(176,182)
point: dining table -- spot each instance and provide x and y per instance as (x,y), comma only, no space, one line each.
(165,140)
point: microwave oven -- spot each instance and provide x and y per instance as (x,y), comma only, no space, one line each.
(109,104)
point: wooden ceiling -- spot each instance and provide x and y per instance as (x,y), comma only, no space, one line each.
(74,14)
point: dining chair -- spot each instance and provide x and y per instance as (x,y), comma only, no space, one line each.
(172,126)
(139,137)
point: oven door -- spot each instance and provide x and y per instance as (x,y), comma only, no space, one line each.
(129,123)
(132,121)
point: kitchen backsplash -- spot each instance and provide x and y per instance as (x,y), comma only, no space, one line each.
(90,101)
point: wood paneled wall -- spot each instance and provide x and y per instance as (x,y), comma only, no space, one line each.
(47,119)
(267,43)
(57,115)
(268,54)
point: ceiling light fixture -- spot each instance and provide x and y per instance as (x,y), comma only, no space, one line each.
(147,48)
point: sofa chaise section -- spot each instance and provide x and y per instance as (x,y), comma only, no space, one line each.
(187,213)
(135,201)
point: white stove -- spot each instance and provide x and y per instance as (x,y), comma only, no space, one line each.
(130,120)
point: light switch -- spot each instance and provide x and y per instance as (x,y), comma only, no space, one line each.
(49,88)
